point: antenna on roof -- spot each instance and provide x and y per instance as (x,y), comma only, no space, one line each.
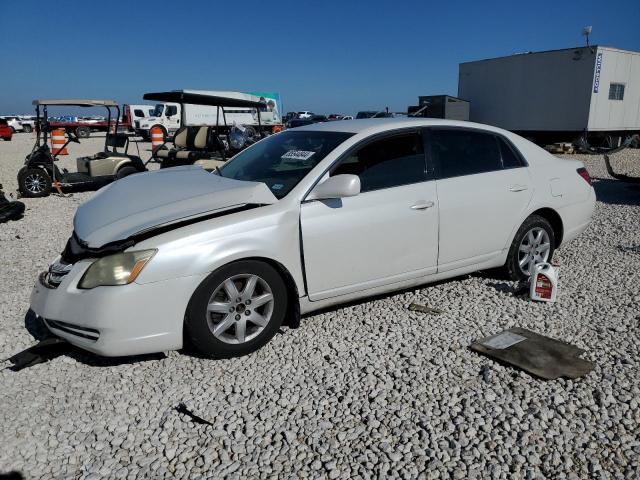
(586,31)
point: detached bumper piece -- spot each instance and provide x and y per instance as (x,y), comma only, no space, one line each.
(41,352)
(71,329)
(536,354)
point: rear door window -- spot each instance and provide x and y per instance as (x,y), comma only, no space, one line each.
(388,162)
(458,152)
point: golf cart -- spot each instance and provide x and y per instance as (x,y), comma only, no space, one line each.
(40,173)
(202,140)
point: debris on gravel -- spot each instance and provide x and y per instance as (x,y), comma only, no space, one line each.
(367,389)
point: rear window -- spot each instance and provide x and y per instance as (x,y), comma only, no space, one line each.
(3,122)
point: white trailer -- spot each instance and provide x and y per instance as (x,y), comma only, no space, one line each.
(591,93)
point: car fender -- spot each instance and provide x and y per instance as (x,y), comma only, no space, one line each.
(201,248)
(132,161)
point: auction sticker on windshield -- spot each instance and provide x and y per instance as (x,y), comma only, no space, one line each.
(297,155)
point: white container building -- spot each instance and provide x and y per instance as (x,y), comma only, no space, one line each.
(558,95)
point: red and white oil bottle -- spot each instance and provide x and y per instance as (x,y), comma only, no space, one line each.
(544,283)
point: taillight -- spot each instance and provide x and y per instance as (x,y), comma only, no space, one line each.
(584,174)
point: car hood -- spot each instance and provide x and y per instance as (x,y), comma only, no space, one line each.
(146,201)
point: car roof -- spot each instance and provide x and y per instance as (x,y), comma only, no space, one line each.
(375,125)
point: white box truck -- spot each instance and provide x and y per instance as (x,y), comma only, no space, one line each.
(170,118)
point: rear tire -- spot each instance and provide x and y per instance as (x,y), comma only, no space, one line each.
(125,171)
(254,315)
(521,247)
(83,132)
(34,182)
(27,128)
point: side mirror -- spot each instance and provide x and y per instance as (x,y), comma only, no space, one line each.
(339,186)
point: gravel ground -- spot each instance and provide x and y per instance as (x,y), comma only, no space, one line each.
(367,390)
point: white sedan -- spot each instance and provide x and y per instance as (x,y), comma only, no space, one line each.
(307,218)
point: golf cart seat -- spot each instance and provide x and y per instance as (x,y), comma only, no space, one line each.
(113,142)
(180,142)
(199,147)
(201,143)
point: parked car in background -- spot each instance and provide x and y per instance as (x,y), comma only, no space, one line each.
(300,122)
(304,114)
(289,116)
(373,114)
(6,132)
(14,123)
(320,215)
(347,117)
(319,118)
(28,123)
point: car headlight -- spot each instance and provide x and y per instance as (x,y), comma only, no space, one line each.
(118,269)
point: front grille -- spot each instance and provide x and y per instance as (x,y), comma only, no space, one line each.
(55,274)
(70,328)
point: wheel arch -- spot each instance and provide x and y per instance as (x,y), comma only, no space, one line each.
(555,220)
(292,317)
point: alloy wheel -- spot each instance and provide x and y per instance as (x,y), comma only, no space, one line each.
(35,183)
(240,308)
(534,248)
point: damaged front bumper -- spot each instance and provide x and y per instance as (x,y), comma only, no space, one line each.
(114,321)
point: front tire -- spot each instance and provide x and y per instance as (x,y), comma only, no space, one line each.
(34,182)
(236,310)
(27,128)
(534,243)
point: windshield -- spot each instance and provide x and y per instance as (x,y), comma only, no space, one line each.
(281,161)
(157,112)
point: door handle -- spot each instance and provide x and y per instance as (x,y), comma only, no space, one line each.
(518,188)
(422,205)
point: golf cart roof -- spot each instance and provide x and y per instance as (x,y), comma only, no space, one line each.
(76,102)
(207,97)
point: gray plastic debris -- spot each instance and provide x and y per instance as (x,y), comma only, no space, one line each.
(541,356)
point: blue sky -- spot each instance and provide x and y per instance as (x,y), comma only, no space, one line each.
(325,56)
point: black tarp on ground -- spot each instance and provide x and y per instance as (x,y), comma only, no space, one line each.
(9,210)
(541,356)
